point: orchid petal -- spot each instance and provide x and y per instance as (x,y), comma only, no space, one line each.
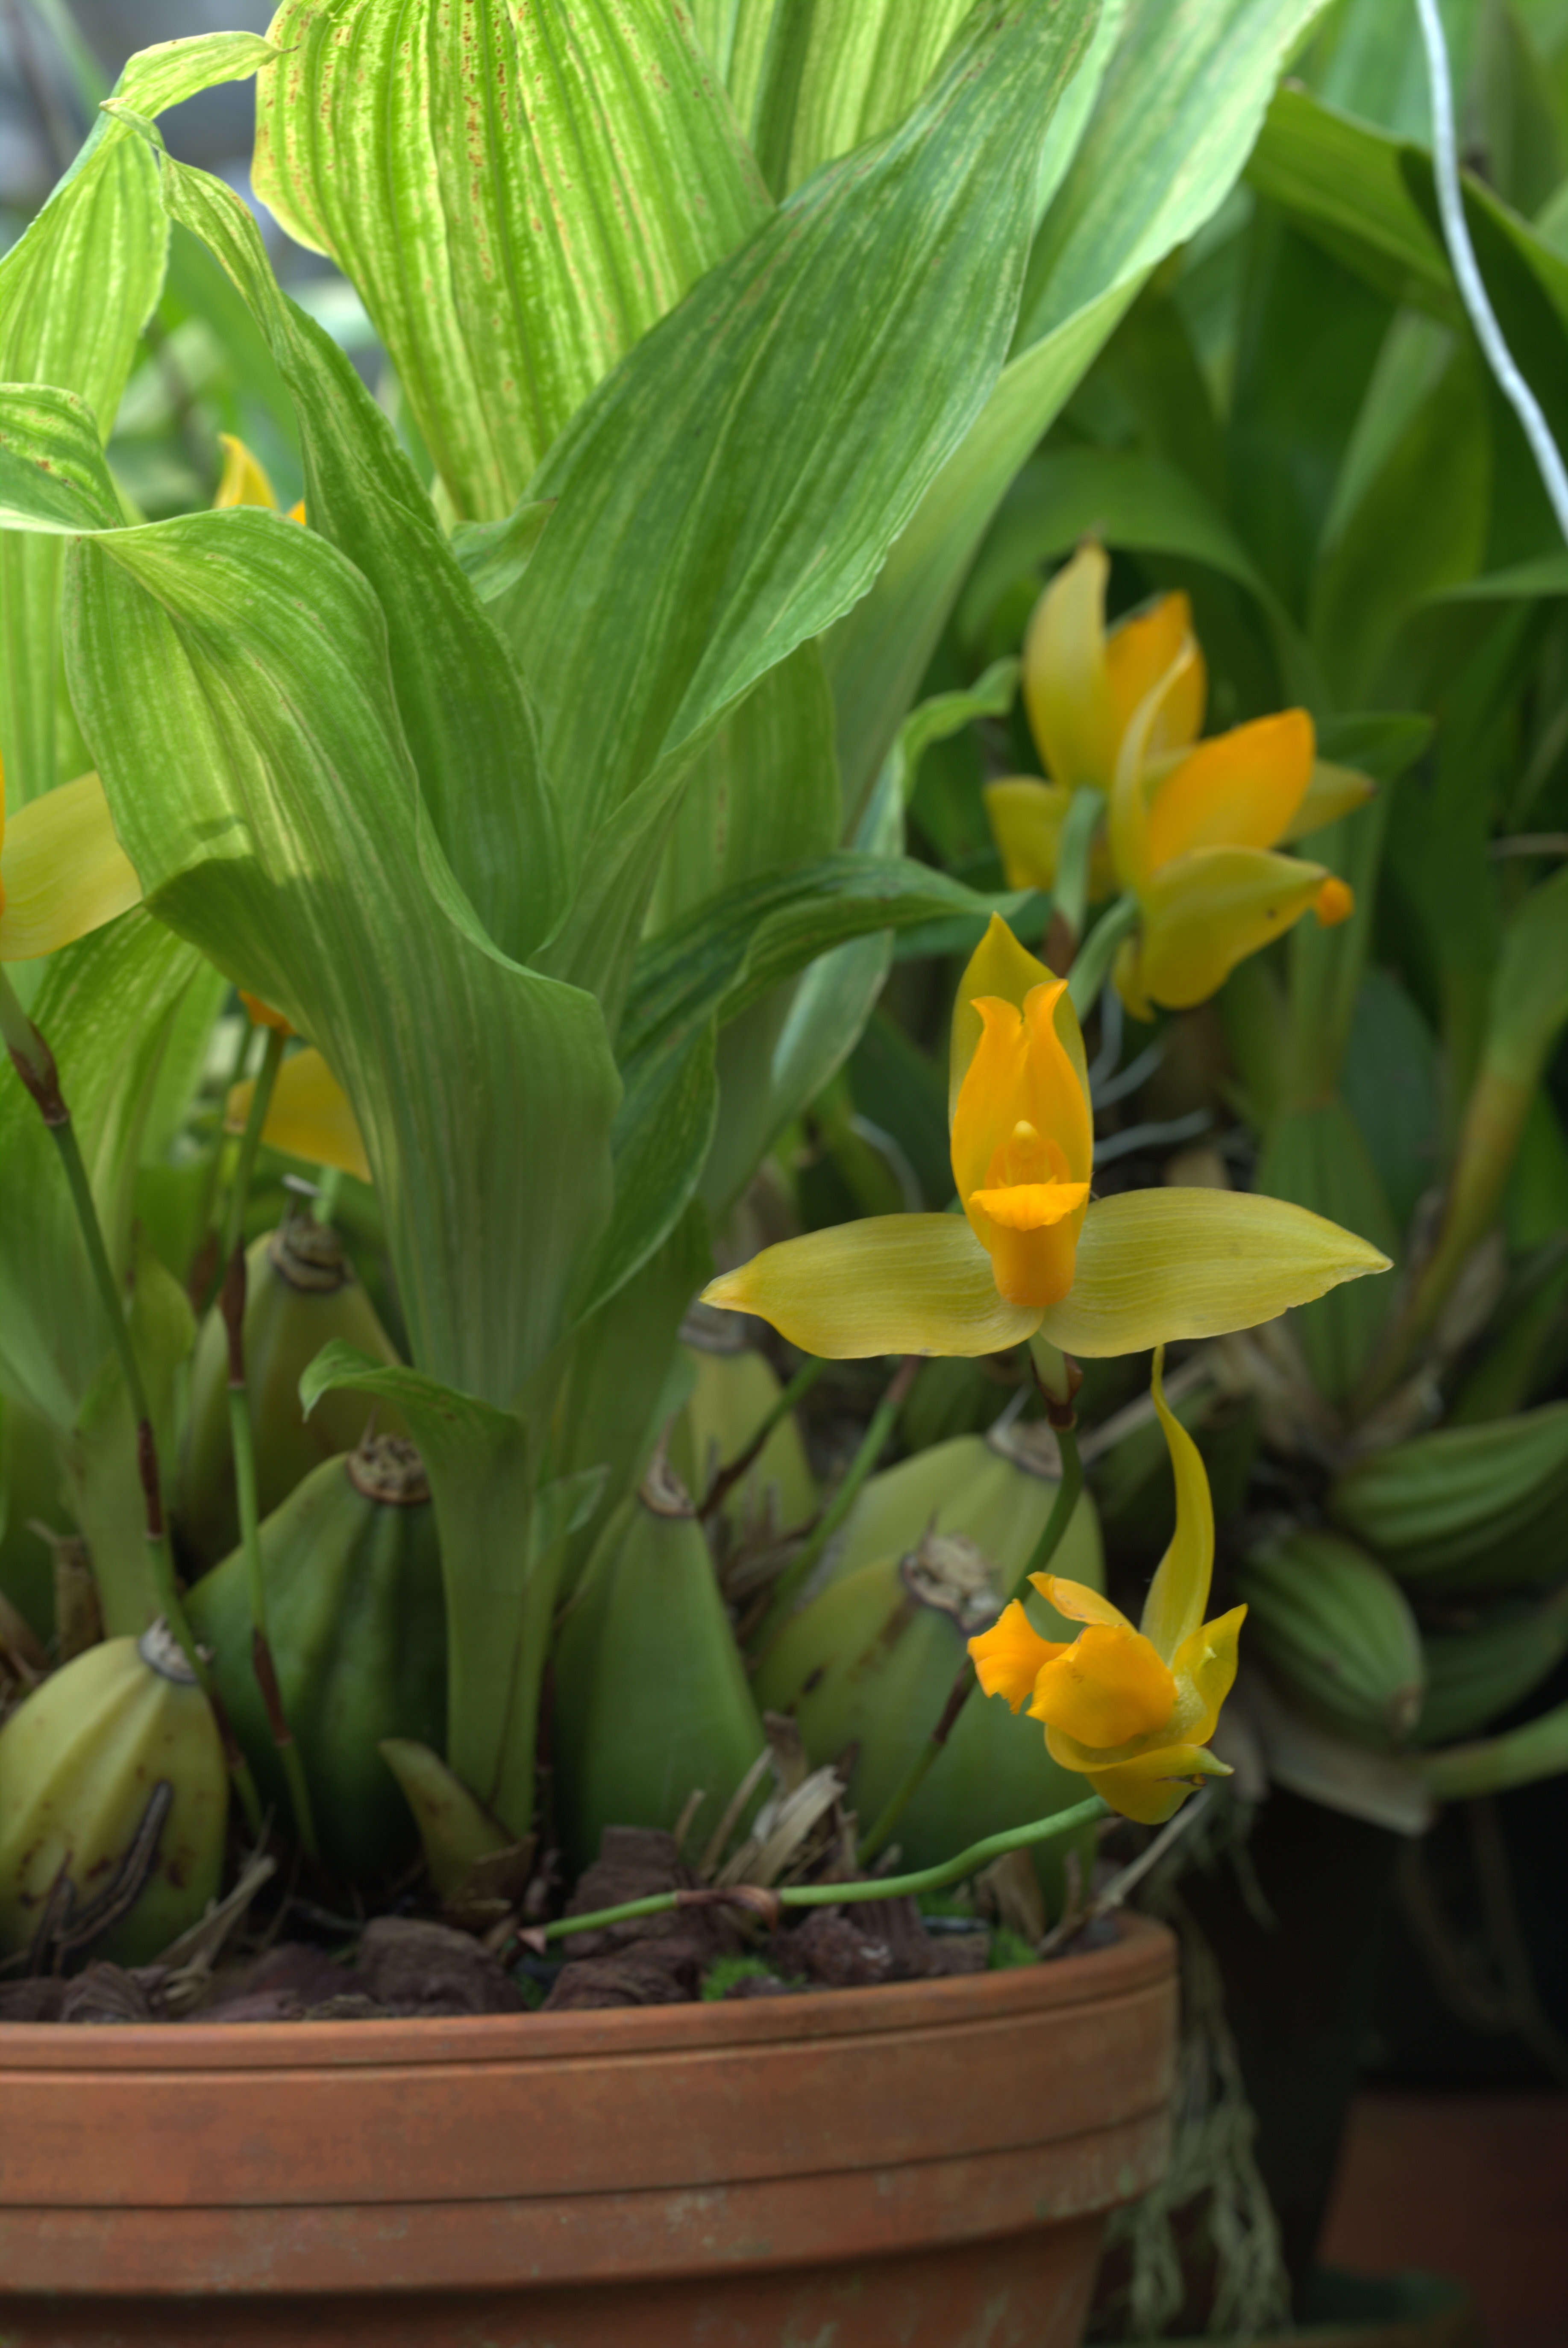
(1026,819)
(1077,1602)
(1204,1669)
(1210,910)
(1139,651)
(1001,967)
(1129,838)
(1022,1124)
(1067,686)
(892,1284)
(1240,790)
(1009,1657)
(1159,1264)
(1109,1685)
(1332,792)
(308,1116)
(1153,1787)
(63,872)
(244,480)
(1179,1593)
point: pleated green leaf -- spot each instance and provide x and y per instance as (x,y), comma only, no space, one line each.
(834,76)
(75,290)
(1178,110)
(464,710)
(53,476)
(519,191)
(105,1004)
(776,432)
(231,673)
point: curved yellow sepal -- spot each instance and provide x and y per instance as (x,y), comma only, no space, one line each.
(1204,1668)
(1153,1787)
(1077,1602)
(1067,685)
(309,1116)
(244,480)
(890,1284)
(1238,790)
(1332,792)
(1140,652)
(1210,910)
(63,872)
(1179,1593)
(1153,1265)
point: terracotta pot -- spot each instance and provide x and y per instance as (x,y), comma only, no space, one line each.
(927,2163)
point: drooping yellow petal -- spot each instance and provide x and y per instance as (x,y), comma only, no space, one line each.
(1128,818)
(1240,790)
(1179,1593)
(890,1284)
(1210,909)
(1022,1124)
(1009,1657)
(309,1116)
(1026,819)
(1333,791)
(1153,1265)
(1204,1670)
(1153,1787)
(1077,1602)
(1139,651)
(244,480)
(1067,686)
(998,966)
(1109,1685)
(62,871)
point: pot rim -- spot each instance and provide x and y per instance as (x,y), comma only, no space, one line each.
(1143,1952)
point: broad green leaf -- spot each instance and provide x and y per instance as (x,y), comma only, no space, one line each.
(1401,544)
(1316,1157)
(1392,1082)
(833,76)
(763,793)
(1177,112)
(519,191)
(464,711)
(231,673)
(105,1005)
(777,431)
(1341,182)
(75,290)
(53,476)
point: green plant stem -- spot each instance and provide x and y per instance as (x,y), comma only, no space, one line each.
(1069,896)
(35,1063)
(843,1500)
(1091,963)
(204,1262)
(964,1686)
(833,1895)
(241,1435)
(795,1392)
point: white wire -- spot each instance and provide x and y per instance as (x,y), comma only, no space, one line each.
(1473,291)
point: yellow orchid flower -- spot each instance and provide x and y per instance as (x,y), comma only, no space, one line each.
(1131,1710)
(309,1114)
(246,480)
(1192,825)
(1031,1255)
(62,871)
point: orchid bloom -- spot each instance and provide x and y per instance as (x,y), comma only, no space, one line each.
(309,1114)
(1032,1253)
(1192,826)
(62,871)
(1132,1711)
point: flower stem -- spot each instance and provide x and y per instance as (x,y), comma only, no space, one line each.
(35,1063)
(204,1262)
(963,1687)
(795,1573)
(1069,896)
(1091,963)
(242,1438)
(799,1388)
(833,1895)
